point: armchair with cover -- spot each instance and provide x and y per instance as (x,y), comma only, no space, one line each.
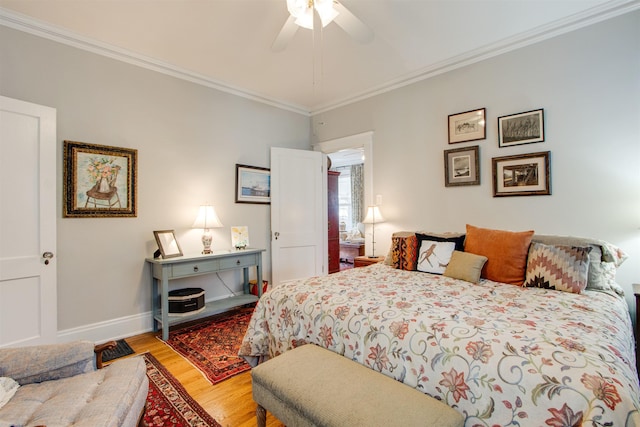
(64,385)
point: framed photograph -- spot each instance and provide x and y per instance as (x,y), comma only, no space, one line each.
(521,128)
(522,175)
(467,126)
(99,181)
(240,236)
(253,184)
(461,167)
(167,243)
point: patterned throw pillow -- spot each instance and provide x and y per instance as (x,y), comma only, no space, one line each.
(564,268)
(434,256)
(434,252)
(404,252)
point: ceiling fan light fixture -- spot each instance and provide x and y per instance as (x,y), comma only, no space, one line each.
(302,10)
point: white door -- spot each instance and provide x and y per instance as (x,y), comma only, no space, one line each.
(298,214)
(28,297)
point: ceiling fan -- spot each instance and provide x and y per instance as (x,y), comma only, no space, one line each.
(301,14)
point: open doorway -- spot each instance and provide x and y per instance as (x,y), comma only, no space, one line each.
(363,142)
(349,162)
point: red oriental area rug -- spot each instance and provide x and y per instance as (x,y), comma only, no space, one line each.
(168,403)
(212,346)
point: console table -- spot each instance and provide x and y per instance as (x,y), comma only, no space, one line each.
(164,270)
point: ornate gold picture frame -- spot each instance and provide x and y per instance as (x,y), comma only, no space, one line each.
(99,181)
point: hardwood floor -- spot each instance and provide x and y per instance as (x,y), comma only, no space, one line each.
(229,401)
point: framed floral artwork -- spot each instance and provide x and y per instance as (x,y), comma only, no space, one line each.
(99,180)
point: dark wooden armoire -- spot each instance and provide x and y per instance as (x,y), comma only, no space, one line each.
(334,221)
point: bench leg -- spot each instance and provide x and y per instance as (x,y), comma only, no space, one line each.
(261,416)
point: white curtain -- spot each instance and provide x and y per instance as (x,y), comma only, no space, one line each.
(357,193)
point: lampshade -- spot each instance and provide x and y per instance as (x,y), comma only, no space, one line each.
(373,216)
(302,10)
(207,218)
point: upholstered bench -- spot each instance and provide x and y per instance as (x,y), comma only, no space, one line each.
(312,386)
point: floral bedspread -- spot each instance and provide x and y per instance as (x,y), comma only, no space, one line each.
(502,355)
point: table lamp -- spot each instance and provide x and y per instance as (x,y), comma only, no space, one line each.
(207,219)
(373,217)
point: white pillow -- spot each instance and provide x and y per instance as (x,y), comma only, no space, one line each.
(434,256)
(8,387)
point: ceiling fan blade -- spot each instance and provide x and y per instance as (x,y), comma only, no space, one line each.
(351,24)
(286,34)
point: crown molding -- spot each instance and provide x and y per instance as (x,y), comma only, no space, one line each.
(592,16)
(29,25)
(589,17)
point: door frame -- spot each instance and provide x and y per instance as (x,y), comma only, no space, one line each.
(362,140)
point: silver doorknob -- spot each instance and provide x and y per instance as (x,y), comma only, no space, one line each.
(276,234)
(47,256)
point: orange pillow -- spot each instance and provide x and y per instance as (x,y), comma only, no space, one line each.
(506,252)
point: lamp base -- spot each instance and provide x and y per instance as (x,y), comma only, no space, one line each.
(206,242)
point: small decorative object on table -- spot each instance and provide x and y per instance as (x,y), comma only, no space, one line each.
(240,236)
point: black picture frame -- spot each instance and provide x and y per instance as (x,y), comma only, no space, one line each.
(467,126)
(253,184)
(521,128)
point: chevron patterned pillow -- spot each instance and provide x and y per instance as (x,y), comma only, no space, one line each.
(563,268)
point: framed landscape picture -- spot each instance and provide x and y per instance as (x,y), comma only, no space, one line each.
(467,126)
(253,184)
(522,175)
(461,167)
(521,128)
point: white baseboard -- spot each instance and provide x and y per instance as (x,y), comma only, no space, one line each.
(109,330)
(114,329)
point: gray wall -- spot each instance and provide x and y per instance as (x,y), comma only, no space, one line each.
(188,138)
(587,81)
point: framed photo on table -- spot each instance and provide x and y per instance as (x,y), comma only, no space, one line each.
(461,166)
(467,126)
(522,175)
(167,244)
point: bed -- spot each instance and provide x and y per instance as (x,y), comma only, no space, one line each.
(500,353)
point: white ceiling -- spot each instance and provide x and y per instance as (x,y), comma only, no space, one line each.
(226,43)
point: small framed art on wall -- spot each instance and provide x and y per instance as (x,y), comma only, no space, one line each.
(522,175)
(461,166)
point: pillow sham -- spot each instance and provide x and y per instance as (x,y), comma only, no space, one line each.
(563,268)
(506,252)
(435,252)
(465,266)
